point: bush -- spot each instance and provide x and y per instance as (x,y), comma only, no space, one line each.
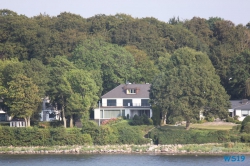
(41,137)
(245,137)
(130,135)
(235,138)
(236,128)
(246,119)
(230,119)
(5,124)
(193,121)
(181,136)
(246,127)
(151,122)
(141,120)
(176,119)
(136,120)
(49,124)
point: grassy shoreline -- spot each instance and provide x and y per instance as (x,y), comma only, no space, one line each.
(206,149)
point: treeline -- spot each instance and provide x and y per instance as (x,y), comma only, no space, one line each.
(75,60)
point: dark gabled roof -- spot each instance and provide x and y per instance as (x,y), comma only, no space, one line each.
(240,104)
(120,92)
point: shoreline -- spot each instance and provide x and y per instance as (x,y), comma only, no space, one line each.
(184,149)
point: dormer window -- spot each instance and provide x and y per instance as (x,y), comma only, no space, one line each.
(131,91)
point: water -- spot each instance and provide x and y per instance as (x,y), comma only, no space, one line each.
(115,160)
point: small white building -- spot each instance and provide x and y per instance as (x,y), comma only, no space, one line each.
(49,113)
(240,108)
(4,116)
(125,100)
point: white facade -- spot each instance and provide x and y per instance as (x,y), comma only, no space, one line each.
(242,114)
(119,101)
(240,108)
(49,113)
(131,109)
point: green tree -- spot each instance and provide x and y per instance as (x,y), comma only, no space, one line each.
(238,75)
(115,64)
(84,93)
(145,68)
(188,86)
(60,88)
(22,97)
(39,73)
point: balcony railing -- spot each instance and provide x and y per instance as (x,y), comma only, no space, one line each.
(126,105)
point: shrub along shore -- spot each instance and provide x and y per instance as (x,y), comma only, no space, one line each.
(206,149)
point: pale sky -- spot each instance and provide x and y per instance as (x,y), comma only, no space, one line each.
(236,11)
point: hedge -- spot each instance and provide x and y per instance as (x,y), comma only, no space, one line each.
(42,137)
(181,136)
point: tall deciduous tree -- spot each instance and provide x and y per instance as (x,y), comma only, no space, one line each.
(188,86)
(238,74)
(84,93)
(60,89)
(22,97)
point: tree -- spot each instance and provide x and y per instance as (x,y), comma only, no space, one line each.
(60,89)
(146,70)
(39,74)
(189,85)
(22,97)
(115,64)
(238,75)
(84,93)
(247,87)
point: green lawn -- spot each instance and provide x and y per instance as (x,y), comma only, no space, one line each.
(209,126)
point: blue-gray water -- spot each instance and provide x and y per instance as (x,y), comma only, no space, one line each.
(116,160)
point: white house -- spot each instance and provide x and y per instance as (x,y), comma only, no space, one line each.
(125,100)
(49,113)
(240,108)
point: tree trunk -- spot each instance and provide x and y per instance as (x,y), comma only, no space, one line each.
(26,122)
(71,121)
(187,124)
(163,121)
(63,117)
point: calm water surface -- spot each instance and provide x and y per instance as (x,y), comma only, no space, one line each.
(116,160)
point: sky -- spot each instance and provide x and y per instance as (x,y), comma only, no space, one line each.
(236,11)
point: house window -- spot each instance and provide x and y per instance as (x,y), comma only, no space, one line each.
(111,114)
(123,112)
(111,102)
(145,102)
(101,114)
(52,115)
(127,102)
(131,91)
(244,113)
(146,112)
(2,117)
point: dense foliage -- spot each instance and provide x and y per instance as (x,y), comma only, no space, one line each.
(195,136)
(189,85)
(42,137)
(74,60)
(119,133)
